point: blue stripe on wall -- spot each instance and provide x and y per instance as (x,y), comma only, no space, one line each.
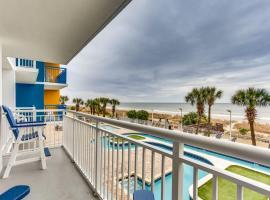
(41,73)
(28,95)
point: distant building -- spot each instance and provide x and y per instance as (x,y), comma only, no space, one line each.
(38,83)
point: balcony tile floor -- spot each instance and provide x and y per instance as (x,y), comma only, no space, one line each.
(60,181)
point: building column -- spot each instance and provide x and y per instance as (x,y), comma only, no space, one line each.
(9,87)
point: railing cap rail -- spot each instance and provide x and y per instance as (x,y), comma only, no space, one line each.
(40,110)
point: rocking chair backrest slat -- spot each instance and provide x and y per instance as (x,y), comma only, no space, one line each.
(11,121)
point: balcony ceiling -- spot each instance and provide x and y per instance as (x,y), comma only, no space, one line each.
(53,30)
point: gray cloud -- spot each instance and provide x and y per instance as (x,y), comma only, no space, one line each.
(157,50)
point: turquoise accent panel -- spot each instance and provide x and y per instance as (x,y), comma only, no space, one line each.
(28,95)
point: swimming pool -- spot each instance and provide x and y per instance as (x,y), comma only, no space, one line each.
(109,127)
(188,170)
(218,155)
(188,178)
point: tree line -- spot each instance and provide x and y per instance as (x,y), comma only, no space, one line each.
(250,99)
(97,105)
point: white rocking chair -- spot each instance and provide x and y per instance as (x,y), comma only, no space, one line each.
(26,133)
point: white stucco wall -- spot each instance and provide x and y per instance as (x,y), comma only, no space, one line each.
(9,87)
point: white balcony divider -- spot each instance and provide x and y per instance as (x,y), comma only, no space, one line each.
(6,135)
(113,164)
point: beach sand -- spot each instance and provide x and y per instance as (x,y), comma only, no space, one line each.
(261,127)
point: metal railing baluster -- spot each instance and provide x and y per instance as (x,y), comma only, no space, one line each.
(122,168)
(136,168)
(153,172)
(163,184)
(239,192)
(215,188)
(128,179)
(112,186)
(195,183)
(143,169)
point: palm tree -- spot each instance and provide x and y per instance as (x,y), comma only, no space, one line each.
(63,99)
(78,102)
(197,96)
(104,101)
(250,99)
(212,95)
(97,107)
(114,102)
(90,103)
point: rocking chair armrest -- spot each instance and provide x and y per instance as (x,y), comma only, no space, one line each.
(33,122)
(30,125)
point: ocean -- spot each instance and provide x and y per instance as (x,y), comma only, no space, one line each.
(219,110)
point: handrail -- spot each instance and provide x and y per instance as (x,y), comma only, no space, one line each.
(53,67)
(247,152)
(40,110)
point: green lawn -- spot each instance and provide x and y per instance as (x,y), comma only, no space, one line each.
(136,137)
(118,140)
(227,189)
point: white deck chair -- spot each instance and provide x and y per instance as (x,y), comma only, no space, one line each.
(26,132)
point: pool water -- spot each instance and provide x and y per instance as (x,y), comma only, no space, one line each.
(109,127)
(218,155)
(188,178)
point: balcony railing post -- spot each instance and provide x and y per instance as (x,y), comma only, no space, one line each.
(34,114)
(177,172)
(97,158)
(73,138)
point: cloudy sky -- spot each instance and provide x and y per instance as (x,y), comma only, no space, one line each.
(156,51)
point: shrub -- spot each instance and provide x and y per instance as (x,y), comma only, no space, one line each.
(132,114)
(142,115)
(192,118)
(72,107)
(243,131)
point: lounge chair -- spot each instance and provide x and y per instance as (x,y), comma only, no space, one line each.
(15,193)
(26,133)
(143,195)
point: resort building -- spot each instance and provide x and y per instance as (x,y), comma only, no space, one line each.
(76,156)
(33,84)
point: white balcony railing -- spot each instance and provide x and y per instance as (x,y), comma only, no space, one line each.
(53,119)
(115,165)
